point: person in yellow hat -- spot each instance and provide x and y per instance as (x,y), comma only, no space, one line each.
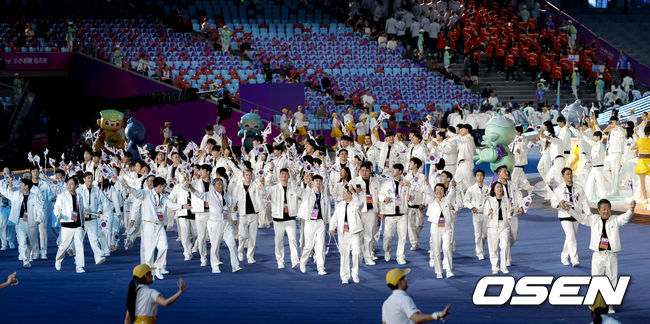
(301,124)
(166,132)
(142,301)
(285,119)
(399,307)
(336,127)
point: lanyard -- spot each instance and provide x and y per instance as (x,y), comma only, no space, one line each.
(159,201)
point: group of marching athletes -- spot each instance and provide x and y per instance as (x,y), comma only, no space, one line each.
(305,195)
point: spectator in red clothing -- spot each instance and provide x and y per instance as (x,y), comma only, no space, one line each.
(510,66)
(546,66)
(500,54)
(557,72)
(533,63)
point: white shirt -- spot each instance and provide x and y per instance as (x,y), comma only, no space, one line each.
(391,26)
(145,301)
(368,101)
(398,308)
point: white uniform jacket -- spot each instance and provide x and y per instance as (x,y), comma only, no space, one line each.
(256,193)
(476,197)
(91,200)
(63,207)
(276,193)
(580,203)
(375,186)
(309,200)
(218,211)
(493,217)
(196,202)
(153,205)
(35,207)
(355,225)
(389,190)
(443,206)
(611,228)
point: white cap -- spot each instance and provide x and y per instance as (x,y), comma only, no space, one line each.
(570,22)
(600,76)
(542,80)
(447,47)
(575,69)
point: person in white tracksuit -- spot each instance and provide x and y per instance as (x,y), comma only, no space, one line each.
(512,193)
(43,227)
(185,219)
(584,133)
(154,220)
(417,184)
(315,211)
(466,151)
(440,216)
(367,190)
(109,208)
(91,202)
(68,209)
(615,147)
(475,198)
(497,210)
(346,221)
(519,148)
(596,179)
(605,239)
(27,213)
(248,201)
(220,222)
(284,209)
(556,154)
(201,208)
(570,199)
(393,210)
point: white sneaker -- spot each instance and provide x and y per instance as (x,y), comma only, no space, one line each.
(158,275)
(566,262)
(400,261)
(355,279)
(375,258)
(251,261)
(240,257)
(164,271)
(505,271)
(102,260)
(217,270)
(495,272)
(439,275)
(387,257)
(219,262)
(481,257)
(322,272)
(280,265)
(370,262)
(3,248)
(188,258)
(345,282)
(57,266)
(43,257)
(303,268)
(237,269)
(26,265)
(81,270)
(431,263)
(450,274)
(575,264)
(415,247)
(204,263)
(611,310)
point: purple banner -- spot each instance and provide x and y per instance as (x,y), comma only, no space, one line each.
(35,61)
(603,49)
(270,99)
(99,79)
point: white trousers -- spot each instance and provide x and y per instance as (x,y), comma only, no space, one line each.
(583,171)
(92,231)
(464,174)
(440,241)
(301,229)
(614,162)
(555,171)
(595,183)
(605,263)
(544,164)
(513,225)
(222,229)
(369,220)
(248,234)
(451,167)
(202,235)
(42,234)
(570,248)
(349,243)
(3,231)
(280,228)
(499,246)
(264,218)
(27,237)
(187,230)
(154,237)
(314,241)
(395,224)
(68,236)
(519,179)
(415,224)
(480,234)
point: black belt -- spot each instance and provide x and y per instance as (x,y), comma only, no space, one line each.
(414,206)
(519,166)
(559,156)
(567,152)
(598,166)
(569,219)
(463,160)
(394,215)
